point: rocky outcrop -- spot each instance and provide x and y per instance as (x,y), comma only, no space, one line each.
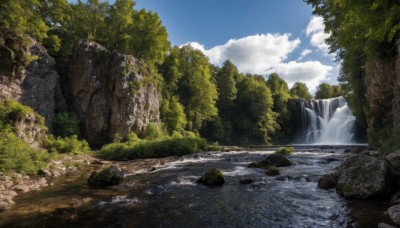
(27,75)
(363,176)
(112,94)
(213,177)
(108,177)
(277,160)
(394,213)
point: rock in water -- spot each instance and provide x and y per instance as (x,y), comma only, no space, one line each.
(394,161)
(108,177)
(112,94)
(277,160)
(272,171)
(394,214)
(363,176)
(213,177)
(327,181)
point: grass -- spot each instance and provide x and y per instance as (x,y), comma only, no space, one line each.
(157,148)
(284,150)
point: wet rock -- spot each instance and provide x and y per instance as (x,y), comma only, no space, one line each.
(393,160)
(272,171)
(108,177)
(213,177)
(327,181)
(246,180)
(277,160)
(384,225)
(394,213)
(96,162)
(6,204)
(363,176)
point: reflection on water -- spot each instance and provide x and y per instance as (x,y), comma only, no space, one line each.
(170,197)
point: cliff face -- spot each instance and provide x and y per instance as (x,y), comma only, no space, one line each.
(382,82)
(35,85)
(110,93)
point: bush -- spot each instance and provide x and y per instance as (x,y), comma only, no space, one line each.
(66,124)
(153,131)
(17,155)
(152,149)
(285,150)
(66,145)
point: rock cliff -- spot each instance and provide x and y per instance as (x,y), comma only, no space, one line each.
(382,83)
(34,84)
(112,94)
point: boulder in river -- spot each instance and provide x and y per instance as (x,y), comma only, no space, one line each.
(108,177)
(213,177)
(393,160)
(272,171)
(363,176)
(277,160)
(394,213)
(327,181)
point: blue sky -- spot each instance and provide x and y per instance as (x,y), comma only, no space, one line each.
(259,36)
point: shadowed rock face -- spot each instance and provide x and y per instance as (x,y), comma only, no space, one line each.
(111,93)
(35,85)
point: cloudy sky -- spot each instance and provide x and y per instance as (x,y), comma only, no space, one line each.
(258,36)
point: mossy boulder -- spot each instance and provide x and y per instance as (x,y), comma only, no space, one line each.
(363,176)
(108,177)
(272,171)
(213,177)
(284,150)
(277,160)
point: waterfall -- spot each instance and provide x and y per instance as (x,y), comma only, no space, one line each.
(327,121)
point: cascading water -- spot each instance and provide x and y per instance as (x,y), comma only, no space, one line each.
(327,121)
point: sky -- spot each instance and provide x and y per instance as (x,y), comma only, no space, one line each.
(258,36)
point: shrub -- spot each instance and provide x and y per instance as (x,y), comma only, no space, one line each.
(66,145)
(17,155)
(153,131)
(66,124)
(284,150)
(152,149)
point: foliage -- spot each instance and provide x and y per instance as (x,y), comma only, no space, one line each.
(66,145)
(284,150)
(17,155)
(66,124)
(300,90)
(153,131)
(173,115)
(152,149)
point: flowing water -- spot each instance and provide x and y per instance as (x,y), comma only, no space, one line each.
(168,196)
(327,122)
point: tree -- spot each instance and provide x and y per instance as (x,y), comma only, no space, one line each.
(254,120)
(226,85)
(187,76)
(300,90)
(149,38)
(173,115)
(324,91)
(337,91)
(280,92)
(119,21)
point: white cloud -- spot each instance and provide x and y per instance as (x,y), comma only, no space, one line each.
(310,72)
(304,53)
(252,54)
(315,30)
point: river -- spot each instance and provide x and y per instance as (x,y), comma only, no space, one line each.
(168,196)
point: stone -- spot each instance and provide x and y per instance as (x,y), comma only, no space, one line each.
(272,171)
(44,172)
(394,213)
(212,177)
(277,160)
(20,188)
(363,176)
(10,193)
(112,94)
(393,160)
(247,180)
(327,181)
(108,177)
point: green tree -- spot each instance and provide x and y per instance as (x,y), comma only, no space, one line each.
(337,91)
(226,85)
(148,37)
(173,115)
(118,24)
(280,92)
(324,91)
(254,120)
(300,90)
